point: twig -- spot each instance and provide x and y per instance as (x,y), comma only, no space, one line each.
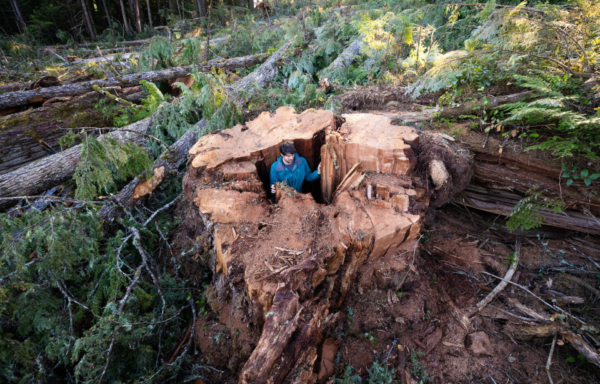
(554,308)
(503,284)
(137,241)
(549,362)
(586,256)
(117,315)
(8,276)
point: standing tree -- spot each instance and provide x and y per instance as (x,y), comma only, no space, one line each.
(107,14)
(208,32)
(250,4)
(87,17)
(136,14)
(149,13)
(125,24)
(201,4)
(18,16)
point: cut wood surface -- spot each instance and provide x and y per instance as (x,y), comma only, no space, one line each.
(325,248)
(53,170)
(14,99)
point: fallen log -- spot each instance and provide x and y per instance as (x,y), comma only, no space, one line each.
(14,99)
(464,109)
(83,45)
(35,133)
(177,154)
(502,202)
(346,58)
(53,170)
(295,262)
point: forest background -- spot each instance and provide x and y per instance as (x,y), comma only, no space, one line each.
(83,301)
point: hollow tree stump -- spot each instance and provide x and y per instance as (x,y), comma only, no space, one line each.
(283,266)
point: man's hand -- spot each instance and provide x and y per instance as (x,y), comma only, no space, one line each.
(273,189)
(319,168)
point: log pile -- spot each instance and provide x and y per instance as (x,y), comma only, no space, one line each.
(282,269)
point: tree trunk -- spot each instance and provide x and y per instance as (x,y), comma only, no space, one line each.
(463,109)
(208,32)
(346,58)
(202,7)
(109,25)
(137,189)
(88,20)
(250,4)
(35,133)
(13,99)
(18,16)
(42,175)
(135,7)
(149,13)
(292,275)
(125,25)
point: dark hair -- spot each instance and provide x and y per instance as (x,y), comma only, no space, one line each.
(287,148)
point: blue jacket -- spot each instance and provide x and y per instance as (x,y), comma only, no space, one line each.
(295,178)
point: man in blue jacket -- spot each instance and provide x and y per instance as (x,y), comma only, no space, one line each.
(292,169)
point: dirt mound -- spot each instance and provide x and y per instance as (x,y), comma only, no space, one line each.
(284,267)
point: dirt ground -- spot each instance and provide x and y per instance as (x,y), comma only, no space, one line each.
(451,261)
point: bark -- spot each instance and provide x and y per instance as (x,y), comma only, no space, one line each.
(208,32)
(346,58)
(42,175)
(136,14)
(502,202)
(125,24)
(108,23)
(88,20)
(149,13)
(464,109)
(18,16)
(14,99)
(138,189)
(201,4)
(26,136)
(250,4)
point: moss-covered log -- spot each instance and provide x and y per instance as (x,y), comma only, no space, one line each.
(32,134)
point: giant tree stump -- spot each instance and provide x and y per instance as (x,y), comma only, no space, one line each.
(283,265)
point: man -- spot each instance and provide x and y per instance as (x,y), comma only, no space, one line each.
(292,169)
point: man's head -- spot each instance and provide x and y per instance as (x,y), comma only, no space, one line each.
(287,150)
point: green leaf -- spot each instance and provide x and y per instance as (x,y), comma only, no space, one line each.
(570,359)
(587,182)
(569,182)
(584,172)
(595,176)
(565,175)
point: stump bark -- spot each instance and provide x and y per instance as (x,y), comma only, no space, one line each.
(283,267)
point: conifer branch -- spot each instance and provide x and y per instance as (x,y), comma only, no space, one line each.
(137,241)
